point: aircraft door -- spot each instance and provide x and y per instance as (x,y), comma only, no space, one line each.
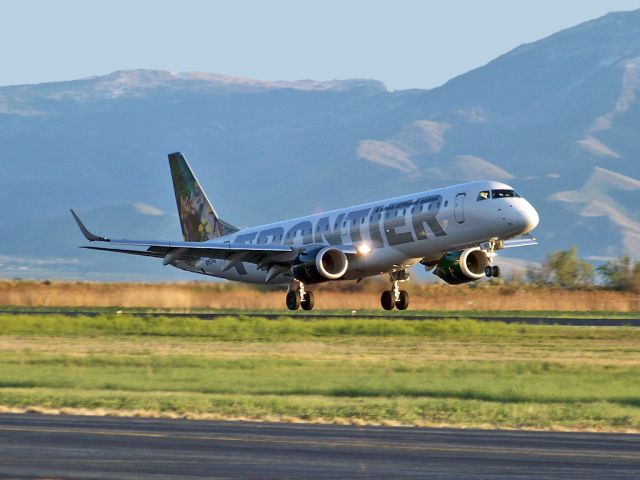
(458,208)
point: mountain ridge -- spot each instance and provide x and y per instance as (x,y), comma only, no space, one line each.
(556,118)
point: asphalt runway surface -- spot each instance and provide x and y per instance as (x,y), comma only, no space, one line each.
(47,446)
(565,321)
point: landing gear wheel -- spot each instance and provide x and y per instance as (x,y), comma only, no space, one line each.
(495,271)
(386,300)
(308,301)
(403,300)
(488,272)
(293,300)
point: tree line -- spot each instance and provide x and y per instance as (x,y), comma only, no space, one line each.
(564,268)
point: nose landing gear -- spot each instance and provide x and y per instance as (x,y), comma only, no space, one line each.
(395,297)
(493,245)
(298,297)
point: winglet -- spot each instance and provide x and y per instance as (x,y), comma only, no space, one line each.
(85,231)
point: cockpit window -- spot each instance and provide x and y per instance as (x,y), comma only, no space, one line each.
(484,195)
(504,194)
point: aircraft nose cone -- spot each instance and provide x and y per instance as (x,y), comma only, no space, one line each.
(529,217)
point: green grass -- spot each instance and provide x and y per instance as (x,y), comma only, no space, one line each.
(408,411)
(538,382)
(243,327)
(460,372)
(256,328)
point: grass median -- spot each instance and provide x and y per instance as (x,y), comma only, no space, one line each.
(430,372)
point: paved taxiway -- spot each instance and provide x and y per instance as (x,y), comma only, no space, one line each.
(565,321)
(104,447)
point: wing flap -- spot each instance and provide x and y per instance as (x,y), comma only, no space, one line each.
(220,246)
(195,254)
(145,253)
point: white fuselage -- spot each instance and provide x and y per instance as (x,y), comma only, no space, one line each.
(399,231)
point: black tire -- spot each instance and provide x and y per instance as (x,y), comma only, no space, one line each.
(403,300)
(308,301)
(386,300)
(495,271)
(488,272)
(293,300)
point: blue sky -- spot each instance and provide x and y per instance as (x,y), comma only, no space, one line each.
(404,43)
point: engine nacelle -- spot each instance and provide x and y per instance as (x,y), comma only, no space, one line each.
(320,265)
(462,266)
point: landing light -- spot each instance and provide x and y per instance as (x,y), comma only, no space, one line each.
(363,248)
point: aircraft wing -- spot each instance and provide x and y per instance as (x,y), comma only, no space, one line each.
(522,241)
(261,254)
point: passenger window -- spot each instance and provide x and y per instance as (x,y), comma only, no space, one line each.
(484,195)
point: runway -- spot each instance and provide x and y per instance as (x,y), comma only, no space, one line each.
(34,445)
(563,321)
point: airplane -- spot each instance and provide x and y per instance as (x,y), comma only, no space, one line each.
(454,231)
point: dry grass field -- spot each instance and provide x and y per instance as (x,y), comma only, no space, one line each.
(344,296)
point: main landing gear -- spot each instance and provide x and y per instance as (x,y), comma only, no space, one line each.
(298,297)
(492,271)
(395,297)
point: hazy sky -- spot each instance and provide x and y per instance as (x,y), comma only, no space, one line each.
(406,44)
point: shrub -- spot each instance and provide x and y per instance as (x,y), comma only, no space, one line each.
(562,268)
(621,274)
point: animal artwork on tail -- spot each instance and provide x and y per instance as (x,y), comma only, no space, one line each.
(198,219)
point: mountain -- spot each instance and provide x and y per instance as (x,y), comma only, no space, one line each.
(557,119)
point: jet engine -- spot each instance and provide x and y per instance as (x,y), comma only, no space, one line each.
(462,266)
(320,265)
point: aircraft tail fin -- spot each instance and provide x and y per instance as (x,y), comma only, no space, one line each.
(198,219)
